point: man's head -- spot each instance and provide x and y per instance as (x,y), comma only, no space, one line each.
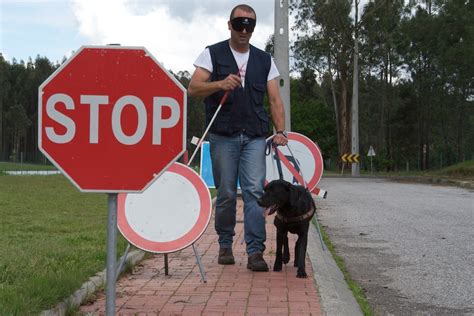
(242,7)
(241,25)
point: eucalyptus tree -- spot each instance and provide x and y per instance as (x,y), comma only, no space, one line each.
(4,91)
(419,35)
(325,45)
(456,71)
(379,32)
(16,119)
(437,48)
(40,70)
(311,113)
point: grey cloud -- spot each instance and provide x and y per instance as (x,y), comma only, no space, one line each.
(186,9)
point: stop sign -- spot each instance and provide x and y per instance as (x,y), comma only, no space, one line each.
(112,119)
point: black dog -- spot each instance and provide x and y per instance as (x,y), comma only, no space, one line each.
(294,207)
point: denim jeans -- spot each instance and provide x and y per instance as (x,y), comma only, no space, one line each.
(239,157)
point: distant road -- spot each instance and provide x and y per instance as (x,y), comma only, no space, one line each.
(410,246)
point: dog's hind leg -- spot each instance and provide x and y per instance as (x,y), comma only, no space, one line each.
(295,264)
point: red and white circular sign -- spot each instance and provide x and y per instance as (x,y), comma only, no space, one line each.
(307,161)
(169,215)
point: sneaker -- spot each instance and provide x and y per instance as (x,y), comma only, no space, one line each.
(226,256)
(256,262)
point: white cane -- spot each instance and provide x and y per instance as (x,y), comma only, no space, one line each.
(226,94)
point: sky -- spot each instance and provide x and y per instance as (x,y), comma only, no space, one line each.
(174,31)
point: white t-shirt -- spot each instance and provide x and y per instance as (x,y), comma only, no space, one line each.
(204,61)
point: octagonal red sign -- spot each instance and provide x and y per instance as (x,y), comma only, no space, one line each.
(112,119)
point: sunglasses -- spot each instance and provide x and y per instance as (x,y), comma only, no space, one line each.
(241,23)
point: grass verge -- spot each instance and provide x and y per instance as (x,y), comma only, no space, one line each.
(464,170)
(357,291)
(460,171)
(11,166)
(53,239)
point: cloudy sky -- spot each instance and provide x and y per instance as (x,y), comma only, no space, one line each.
(175,31)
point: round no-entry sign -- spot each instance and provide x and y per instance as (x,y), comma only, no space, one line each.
(168,216)
(304,159)
(112,119)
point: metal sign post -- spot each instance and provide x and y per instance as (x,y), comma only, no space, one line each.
(111,254)
(371,154)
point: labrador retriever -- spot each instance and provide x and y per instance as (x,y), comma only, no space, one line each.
(294,207)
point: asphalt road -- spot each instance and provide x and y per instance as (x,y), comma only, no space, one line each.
(410,246)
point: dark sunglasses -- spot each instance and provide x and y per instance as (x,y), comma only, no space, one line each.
(241,23)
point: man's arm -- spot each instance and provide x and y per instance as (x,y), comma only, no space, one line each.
(277,110)
(200,86)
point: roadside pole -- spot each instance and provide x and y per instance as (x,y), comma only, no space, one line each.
(111,254)
(282,56)
(355,95)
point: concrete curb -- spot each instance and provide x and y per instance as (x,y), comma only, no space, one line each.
(336,297)
(90,287)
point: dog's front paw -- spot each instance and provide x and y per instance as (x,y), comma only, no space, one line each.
(301,274)
(277,266)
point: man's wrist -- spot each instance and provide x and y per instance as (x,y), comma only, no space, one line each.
(283,132)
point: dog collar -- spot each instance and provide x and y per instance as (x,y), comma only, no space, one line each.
(303,217)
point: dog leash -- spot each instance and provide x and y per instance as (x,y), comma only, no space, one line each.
(270,146)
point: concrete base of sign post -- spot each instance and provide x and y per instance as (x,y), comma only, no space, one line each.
(89,288)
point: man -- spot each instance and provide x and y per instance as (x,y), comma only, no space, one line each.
(237,136)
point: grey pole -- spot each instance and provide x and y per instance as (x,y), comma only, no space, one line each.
(111,255)
(282,56)
(355,95)
(111,273)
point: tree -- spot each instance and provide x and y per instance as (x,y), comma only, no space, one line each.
(326,47)
(311,114)
(18,123)
(456,66)
(4,92)
(41,69)
(195,116)
(437,49)
(379,30)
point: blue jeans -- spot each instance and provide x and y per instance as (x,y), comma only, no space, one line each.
(239,157)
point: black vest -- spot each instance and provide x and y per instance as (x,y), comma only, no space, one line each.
(243,110)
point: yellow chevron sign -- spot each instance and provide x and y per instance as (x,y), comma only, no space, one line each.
(350,157)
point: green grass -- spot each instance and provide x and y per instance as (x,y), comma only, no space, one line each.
(11,166)
(53,239)
(464,170)
(460,171)
(357,291)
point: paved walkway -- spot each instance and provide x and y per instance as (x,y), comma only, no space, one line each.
(230,290)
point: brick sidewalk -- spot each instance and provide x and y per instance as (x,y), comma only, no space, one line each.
(230,290)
